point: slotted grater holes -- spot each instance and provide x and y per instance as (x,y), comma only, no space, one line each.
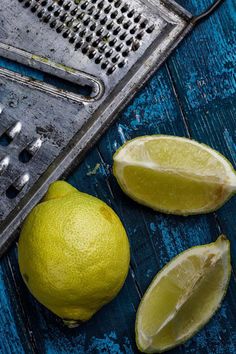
(4,163)
(104,24)
(28,152)
(16,187)
(9,135)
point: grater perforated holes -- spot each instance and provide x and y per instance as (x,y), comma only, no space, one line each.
(111,70)
(125,8)
(41,13)
(80,16)
(110,25)
(67,6)
(96,23)
(117,3)
(89,38)
(85,49)
(27,4)
(90,10)
(60,28)
(107,9)
(82,33)
(4,163)
(102,48)
(104,64)
(121,64)
(150,29)
(115,58)
(130,14)
(57,12)
(26,154)
(34,8)
(95,43)
(129,41)
(70,23)
(66,34)
(108,54)
(92,53)
(97,15)
(7,137)
(73,12)
(53,24)
(133,30)
(116,30)
(98,59)
(119,47)
(114,14)
(92,27)
(137,19)
(144,24)
(113,42)
(78,44)
(5,140)
(47,18)
(101,5)
(127,24)
(64,17)
(84,5)
(16,187)
(123,36)
(72,39)
(120,19)
(103,20)
(50,8)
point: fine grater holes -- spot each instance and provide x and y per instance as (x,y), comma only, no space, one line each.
(16,187)
(109,22)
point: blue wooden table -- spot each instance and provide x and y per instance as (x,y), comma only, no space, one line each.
(193,95)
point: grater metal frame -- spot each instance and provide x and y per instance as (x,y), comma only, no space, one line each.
(98,121)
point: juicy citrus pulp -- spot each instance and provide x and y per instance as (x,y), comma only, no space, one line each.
(174,175)
(183,296)
(73,253)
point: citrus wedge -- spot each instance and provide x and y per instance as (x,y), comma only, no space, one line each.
(183,296)
(174,175)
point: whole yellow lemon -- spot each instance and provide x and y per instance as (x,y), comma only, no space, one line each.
(73,253)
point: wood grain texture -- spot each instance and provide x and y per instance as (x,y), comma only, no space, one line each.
(193,94)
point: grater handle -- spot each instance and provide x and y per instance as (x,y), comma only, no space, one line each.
(207,12)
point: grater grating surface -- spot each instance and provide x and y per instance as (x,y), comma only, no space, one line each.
(110,46)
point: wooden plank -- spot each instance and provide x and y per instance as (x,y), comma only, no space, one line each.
(14,335)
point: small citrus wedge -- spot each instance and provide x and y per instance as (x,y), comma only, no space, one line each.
(183,296)
(174,175)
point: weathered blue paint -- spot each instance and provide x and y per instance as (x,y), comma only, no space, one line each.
(193,94)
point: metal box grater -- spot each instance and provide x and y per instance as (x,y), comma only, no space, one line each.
(106,48)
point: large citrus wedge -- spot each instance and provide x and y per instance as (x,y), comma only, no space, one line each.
(174,175)
(183,296)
